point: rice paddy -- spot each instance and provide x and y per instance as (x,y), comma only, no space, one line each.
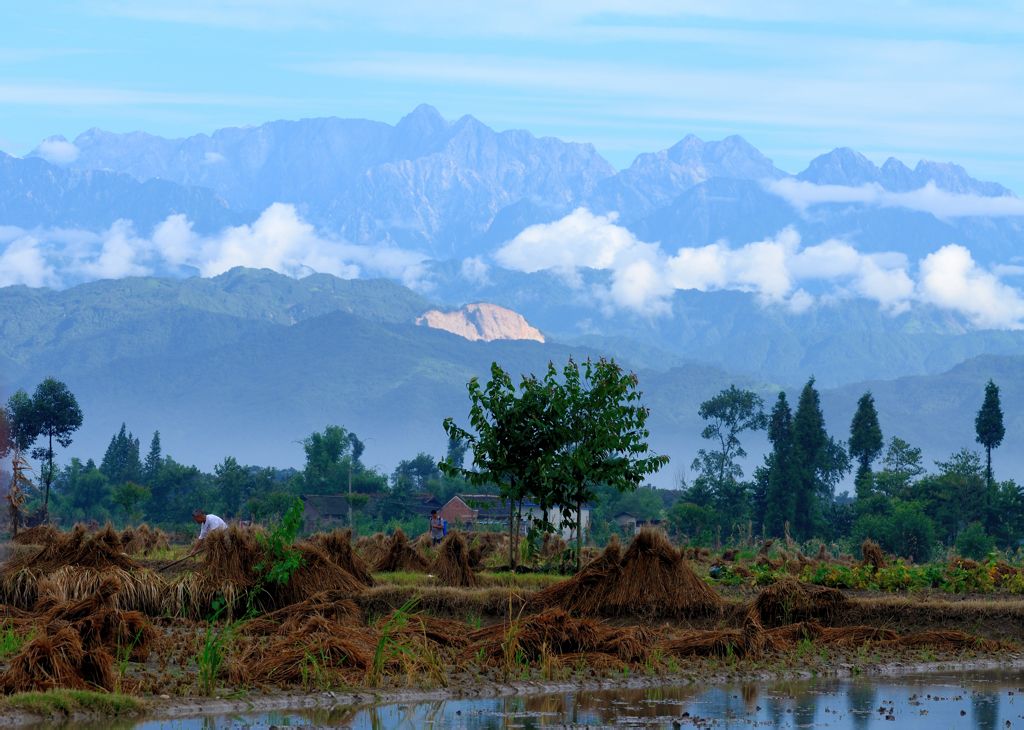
(106,611)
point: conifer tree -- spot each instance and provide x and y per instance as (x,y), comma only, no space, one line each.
(865,442)
(154,459)
(989,425)
(818,464)
(779,496)
(121,462)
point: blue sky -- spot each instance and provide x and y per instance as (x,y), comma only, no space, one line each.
(938,80)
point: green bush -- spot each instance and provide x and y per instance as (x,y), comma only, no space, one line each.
(905,531)
(973,542)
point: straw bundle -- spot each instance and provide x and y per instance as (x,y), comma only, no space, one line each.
(38,535)
(873,555)
(337,544)
(656,580)
(76,641)
(399,555)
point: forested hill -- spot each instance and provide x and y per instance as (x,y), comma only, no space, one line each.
(247,363)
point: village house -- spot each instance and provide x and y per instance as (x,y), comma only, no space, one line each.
(476,511)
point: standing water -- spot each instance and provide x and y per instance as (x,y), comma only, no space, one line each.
(984,700)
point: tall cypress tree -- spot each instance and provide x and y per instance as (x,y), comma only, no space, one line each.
(865,442)
(988,425)
(779,496)
(154,459)
(809,444)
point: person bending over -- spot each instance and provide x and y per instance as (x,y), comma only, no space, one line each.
(209,523)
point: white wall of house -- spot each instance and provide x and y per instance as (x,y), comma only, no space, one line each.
(565,528)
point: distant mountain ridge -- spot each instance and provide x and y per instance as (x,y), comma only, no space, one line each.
(458,188)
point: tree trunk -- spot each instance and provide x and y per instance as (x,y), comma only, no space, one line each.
(988,465)
(49,477)
(579,533)
(511,537)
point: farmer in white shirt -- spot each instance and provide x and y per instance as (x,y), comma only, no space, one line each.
(209,524)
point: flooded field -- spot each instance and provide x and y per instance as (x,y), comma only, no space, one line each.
(983,700)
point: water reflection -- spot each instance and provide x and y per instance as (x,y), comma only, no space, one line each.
(967,700)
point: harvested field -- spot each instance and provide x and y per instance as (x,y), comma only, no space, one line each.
(92,619)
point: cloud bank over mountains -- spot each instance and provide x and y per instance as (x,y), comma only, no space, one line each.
(782,270)
(927,199)
(644,276)
(279,239)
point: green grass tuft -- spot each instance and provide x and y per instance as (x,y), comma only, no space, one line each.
(70,701)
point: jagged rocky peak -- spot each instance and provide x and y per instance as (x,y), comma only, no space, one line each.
(841,166)
(481,321)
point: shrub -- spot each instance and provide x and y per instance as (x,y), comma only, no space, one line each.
(973,542)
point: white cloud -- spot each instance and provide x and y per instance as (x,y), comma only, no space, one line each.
(213,158)
(475,270)
(58,151)
(779,270)
(22,262)
(119,254)
(929,199)
(584,240)
(951,279)
(279,240)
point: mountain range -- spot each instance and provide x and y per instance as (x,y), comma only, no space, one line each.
(456,188)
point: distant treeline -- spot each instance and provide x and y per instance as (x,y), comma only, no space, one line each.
(898,501)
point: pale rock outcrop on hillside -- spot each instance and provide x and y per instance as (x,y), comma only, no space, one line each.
(482,321)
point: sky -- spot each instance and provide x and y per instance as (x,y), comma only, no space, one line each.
(910,79)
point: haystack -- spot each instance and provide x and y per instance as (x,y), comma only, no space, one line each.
(78,561)
(750,640)
(484,545)
(399,555)
(316,573)
(655,580)
(337,544)
(317,651)
(143,539)
(100,550)
(371,548)
(788,601)
(651,579)
(872,554)
(586,591)
(452,563)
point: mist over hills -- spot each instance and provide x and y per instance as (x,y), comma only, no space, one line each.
(248,363)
